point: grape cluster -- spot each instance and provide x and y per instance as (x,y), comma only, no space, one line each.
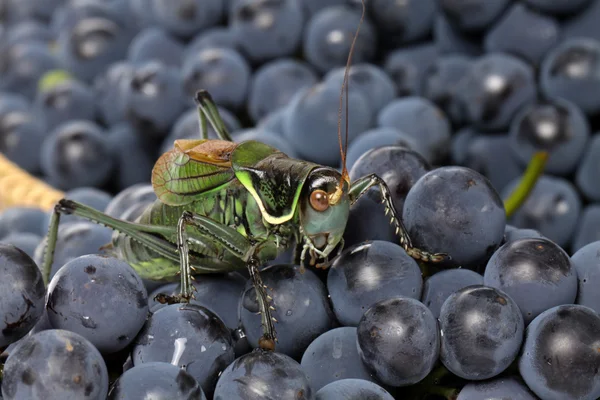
(452,103)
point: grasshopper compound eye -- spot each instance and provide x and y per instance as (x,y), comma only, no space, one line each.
(319,200)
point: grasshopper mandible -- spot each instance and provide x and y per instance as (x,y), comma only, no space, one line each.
(224,206)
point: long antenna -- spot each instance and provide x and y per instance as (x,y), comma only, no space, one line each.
(345,84)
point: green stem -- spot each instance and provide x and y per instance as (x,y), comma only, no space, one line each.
(521,192)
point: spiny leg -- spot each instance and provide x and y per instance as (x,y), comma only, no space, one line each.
(269,337)
(187,288)
(240,246)
(360,187)
(148,235)
(209,111)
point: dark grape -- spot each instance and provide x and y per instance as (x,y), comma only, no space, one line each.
(375,139)
(64,100)
(329,34)
(214,37)
(77,238)
(21,135)
(141,192)
(110,88)
(400,169)
(558,127)
(405,21)
(202,342)
(518,233)
(154,98)
(582,23)
(28,31)
(77,153)
(370,272)
(407,66)
(352,389)
(440,82)
(92,43)
(371,80)
(482,331)
(22,299)
(587,264)
(496,87)
(154,44)
(589,227)
(223,72)
(135,167)
(523,33)
(422,120)
(587,172)
(23,64)
(275,83)
(311,7)
(266,29)
(441,285)
(569,72)
(461,141)
(399,341)
(185,18)
(27,242)
(474,15)
(561,336)
(455,210)
(536,273)
(22,220)
(552,208)
(491,156)
(263,374)
(496,388)
(156,380)
(88,294)
(55,364)
(308,124)
(333,356)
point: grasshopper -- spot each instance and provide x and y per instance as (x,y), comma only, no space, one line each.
(223,206)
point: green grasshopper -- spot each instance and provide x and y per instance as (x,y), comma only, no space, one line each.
(224,206)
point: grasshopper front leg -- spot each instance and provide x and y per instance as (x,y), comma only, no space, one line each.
(360,187)
(242,247)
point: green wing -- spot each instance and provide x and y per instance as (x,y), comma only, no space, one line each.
(274,180)
(191,169)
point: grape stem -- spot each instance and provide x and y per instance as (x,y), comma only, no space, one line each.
(521,192)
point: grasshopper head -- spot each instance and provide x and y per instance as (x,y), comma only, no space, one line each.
(323,216)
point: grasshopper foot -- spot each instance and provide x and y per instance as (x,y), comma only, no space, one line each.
(266,343)
(168,299)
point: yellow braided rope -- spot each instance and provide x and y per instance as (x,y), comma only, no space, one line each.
(18,188)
